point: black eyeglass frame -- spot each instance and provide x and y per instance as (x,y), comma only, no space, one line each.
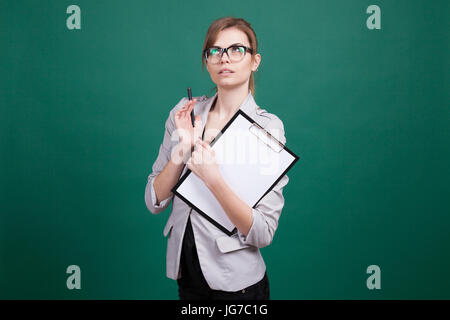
(225,50)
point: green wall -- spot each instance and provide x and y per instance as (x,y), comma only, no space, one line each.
(82,117)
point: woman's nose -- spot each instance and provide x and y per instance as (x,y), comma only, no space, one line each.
(225,57)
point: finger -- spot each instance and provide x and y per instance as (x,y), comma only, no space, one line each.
(189,102)
(197,145)
(205,145)
(179,113)
(186,111)
(188,105)
(197,127)
(200,143)
(198,121)
(203,150)
(182,110)
(189,164)
(195,157)
(208,147)
(200,148)
(191,159)
(191,106)
(207,153)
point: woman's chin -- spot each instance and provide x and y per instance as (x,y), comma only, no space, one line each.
(228,83)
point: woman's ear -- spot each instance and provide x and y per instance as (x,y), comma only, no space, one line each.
(256,62)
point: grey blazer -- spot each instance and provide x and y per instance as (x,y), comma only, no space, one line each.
(228,263)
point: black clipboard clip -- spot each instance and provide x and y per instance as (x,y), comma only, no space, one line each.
(266,137)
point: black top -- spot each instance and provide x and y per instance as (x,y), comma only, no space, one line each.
(191,272)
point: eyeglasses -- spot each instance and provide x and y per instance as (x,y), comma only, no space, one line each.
(235,52)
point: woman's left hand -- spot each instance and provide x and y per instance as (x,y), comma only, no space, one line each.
(203,163)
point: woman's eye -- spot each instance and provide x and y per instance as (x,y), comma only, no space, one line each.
(237,49)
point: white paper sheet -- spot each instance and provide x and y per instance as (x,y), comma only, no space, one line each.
(248,165)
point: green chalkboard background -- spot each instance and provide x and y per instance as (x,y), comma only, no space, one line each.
(82,117)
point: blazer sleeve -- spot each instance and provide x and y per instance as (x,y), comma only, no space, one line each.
(164,155)
(268,210)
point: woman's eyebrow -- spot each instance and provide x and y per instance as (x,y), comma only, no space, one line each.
(234,44)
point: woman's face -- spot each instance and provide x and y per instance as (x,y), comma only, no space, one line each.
(241,70)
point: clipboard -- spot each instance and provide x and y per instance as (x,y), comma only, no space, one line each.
(249,180)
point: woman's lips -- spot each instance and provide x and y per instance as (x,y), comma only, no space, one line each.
(225,73)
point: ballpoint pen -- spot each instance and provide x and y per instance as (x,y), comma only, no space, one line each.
(190,98)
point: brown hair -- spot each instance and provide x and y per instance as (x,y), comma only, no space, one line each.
(229,22)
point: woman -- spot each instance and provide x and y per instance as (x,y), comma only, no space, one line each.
(207,263)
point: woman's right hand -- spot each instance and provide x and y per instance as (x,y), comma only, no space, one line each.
(183,124)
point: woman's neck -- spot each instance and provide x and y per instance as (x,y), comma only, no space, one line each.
(229,101)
